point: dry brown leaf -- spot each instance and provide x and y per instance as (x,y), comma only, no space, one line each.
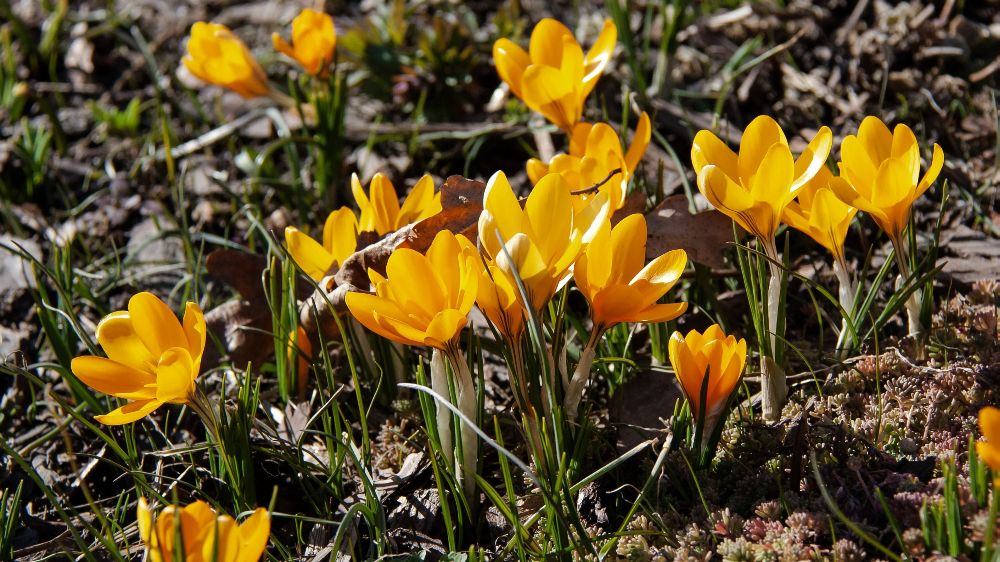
(242,326)
(703,235)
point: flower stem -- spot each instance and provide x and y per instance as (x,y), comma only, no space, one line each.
(467,404)
(577,384)
(439,383)
(913,304)
(845,293)
(774,391)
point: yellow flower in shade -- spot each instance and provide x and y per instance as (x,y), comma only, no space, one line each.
(620,287)
(754,186)
(818,213)
(152,357)
(313,41)
(380,210)
(882,173)
(554,77)
(202,535)
(989,450)
(711,354)
(218,57)
(594,152)
(340,239)
(423,299)
(500,299)
(542,240)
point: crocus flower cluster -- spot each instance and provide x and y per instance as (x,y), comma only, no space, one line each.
(380,212)
(758,188)
(217,56)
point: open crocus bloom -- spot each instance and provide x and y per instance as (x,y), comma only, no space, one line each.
(542,240)
(818,213)
(423,299)
(218,57)
(380,209)
(313,40)
(882,173)
(204,535)
(340,239)
(754,186)
(711,354)
(611,274)
(152,358)
(989,450)
(554,77)
(594,152)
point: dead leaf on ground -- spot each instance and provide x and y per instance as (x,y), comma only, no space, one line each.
(703,235)
(242,327)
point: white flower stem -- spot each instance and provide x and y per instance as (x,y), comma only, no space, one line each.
(439,384)
(845,294)
(467,404)
(913,304)
(577,384)
(772,376)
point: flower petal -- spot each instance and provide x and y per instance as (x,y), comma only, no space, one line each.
(254,533)
(444,327)
(155,324)
(313,258)
(511,62)
(598,56)
(114,378)
(340,234)
(117,337)
(708,149)
(640,141)
(937,162)
(175,376)
(760,135)
(813,158)
(628,246)
(129,412)
(545,47)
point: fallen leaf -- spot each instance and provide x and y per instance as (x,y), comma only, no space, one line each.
(243,326)
(703,235)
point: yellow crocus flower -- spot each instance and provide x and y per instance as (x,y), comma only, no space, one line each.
(882,173)
(989,450)
(554,77)
(424,299)
(754,187)
(500,299)
(218,57)
(340,239)
(380,209)
(712,355)
(818,213)
(542,240)
(152,358)
(620,287)
(314,39)
(595,151)
(204,535)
